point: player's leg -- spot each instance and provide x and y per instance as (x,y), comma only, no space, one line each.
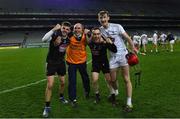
(113,65)
(113,73)
(112,85)
(152,46)
(128,85)
(144,47)
(61,89)
(72,68)
(48,93)
(171,45)
(95,85)
(156,47)
(85,78)
(62,72)
(51,69)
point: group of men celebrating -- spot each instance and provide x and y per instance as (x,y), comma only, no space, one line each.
(73,44)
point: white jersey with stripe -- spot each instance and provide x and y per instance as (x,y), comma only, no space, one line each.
(137,39)
(115,31)
(163,37)
(155,37)
(144,39)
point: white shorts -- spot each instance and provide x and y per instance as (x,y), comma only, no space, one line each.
(118,60)
(171,42)
(144,42)
(135,42)
(154,42)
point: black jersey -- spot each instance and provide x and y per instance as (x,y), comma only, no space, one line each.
(56,53)
(170,37)
(99,50)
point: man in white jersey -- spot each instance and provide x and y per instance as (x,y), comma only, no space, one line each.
(163,37)
(118,60)
(154,41)
(137,41)
(144,40)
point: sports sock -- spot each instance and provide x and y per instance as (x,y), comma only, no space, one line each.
(97,95)
(61,95)
(116,92)
(112,91)
(113,98)
(129,101)
(47,104)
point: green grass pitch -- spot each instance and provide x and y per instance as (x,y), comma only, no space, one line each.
(157,96)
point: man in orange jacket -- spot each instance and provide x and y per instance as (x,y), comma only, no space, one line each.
(76,59)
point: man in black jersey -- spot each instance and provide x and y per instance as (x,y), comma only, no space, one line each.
(58,38)
(99,46)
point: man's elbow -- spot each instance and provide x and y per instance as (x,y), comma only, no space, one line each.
(43,39)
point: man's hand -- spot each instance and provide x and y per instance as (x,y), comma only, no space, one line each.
(102,40)
(86,31)
(57,41)
(108,40)
(57,27)
(134,50)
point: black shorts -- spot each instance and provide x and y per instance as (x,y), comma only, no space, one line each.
(59,68)
(100,66)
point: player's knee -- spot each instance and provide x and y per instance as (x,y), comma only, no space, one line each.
(62,84)
(94,81)
(50,86)
(127,80)
(113,81)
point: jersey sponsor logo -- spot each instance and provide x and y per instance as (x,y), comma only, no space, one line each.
(62,48)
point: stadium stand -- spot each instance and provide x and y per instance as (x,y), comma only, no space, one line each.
(41,15)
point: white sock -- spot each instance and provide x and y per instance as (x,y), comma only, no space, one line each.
(96,92)
(116,92)
(112,91)
(129,101)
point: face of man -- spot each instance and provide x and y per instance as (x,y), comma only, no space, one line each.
(57,41)
(65,30)
(96,35)
(103,19)
(78,29)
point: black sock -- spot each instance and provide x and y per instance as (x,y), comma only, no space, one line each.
(61,95)
(113,97)
(97,95)
(47,104)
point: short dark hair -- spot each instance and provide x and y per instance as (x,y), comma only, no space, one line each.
(103,12)
(66,23)
(95,28)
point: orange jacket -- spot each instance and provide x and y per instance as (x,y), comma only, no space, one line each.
(76,50)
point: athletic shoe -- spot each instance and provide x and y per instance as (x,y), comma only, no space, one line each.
(74,103)
(87,95)
(46,112)
(128,108)
(97,100)
(115,103)
(63,100)
(110,98)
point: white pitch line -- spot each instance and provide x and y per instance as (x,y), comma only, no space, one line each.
(27,85)
(23,86)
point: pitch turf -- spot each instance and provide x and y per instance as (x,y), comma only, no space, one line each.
(157,96)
